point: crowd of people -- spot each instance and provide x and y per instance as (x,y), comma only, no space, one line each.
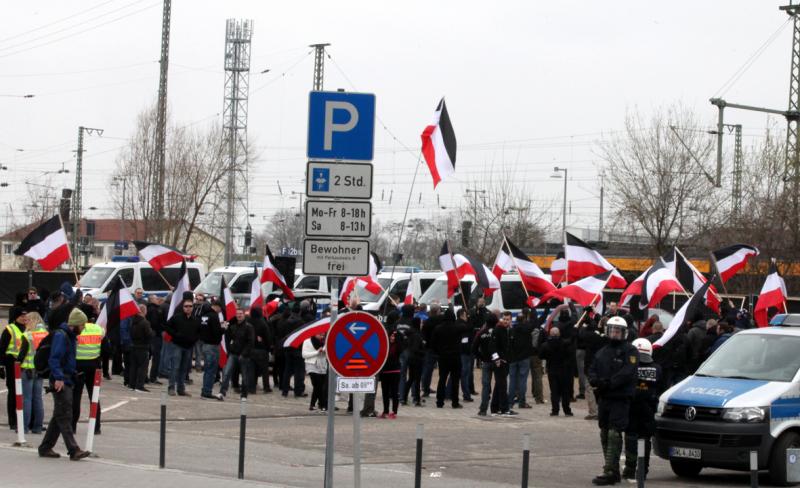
(608,358)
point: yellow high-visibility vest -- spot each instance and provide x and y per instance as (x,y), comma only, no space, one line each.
(16,340)
(89,342)
(35,337)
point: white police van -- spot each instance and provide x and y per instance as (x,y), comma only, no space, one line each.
(395,283)
(97,281)
(745,397)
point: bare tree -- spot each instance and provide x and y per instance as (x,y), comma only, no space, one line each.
(658,186)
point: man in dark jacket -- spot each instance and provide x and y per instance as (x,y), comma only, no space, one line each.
(239,339)
(521,352)
(446,344)
(481,349)
(294,370)
(183,327)
(613,375)
(499,354)
(694,342)
(477,319)
(403,328)
(62,377)
(156,319)
(141,335)
(210,335)
(428,326)
(591,334)
(557,352)
(261,348)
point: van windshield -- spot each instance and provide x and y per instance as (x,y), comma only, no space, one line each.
(755,356)
(96,277)
(211,284)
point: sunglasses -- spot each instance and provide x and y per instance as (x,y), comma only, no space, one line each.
(187,306)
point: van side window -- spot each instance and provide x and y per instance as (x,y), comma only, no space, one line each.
(399,288)
(194,277)
(310,282)
(127,276)
(514,297)
(424,283)
(151,281)
(243,283)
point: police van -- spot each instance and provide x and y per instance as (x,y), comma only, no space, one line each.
(745,397)
(99,279)
(395,283)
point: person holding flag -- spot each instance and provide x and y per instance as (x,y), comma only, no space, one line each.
(772,297)
(210,336)
(183,327)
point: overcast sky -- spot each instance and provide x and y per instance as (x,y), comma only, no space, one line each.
(529,85)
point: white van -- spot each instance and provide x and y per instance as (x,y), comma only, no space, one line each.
(97,281)
(396,284)
(511,296)
(745,397)
(238,278)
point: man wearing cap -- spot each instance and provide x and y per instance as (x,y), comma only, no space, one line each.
(62,377)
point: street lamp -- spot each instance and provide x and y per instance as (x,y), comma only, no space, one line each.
(556,174)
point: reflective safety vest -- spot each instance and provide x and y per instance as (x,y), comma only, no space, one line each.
(35,337)
(16,340)
(89,342)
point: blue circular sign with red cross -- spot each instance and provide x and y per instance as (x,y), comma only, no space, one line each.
(357,345)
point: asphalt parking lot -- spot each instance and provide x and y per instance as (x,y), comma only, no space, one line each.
(286,443)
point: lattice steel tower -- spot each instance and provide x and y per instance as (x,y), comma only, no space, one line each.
(319,65)
(738,163)
(161,123)
(234,129)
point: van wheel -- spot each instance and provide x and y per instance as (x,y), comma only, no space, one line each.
(777,461)
(685,468)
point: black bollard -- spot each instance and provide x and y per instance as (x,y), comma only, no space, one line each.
(418,464)
(162,446)
(242,430)
(753,469)
(640,467)
(526,458)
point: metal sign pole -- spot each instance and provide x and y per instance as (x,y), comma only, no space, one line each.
(357,406)
(331,394)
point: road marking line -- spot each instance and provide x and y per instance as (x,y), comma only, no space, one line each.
(116,405)
(3,391)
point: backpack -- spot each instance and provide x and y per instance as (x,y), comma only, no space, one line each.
(41,359)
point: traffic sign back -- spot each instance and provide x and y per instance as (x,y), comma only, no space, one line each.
(357,345)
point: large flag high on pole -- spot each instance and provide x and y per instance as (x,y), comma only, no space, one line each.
(158,255)
(583,261)
(118,307)
(733,258)
(558,269)
(692,279)
(686,311)
(773,294)
(270,273)
(446,262)
(503,262)
(439,145)
(47,244)
(484,277)
(585,292)
(533,279)
(182,286)
(634,289)
(658,282)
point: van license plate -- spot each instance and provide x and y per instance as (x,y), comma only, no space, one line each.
(684,452)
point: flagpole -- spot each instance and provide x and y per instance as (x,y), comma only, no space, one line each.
(566,261)
(405,215)
(165,280)
(455,270)
(71,258)
(505,241)
(722,283)
(700,275)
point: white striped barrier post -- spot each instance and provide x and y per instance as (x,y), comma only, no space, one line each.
(20,415)
(95,401)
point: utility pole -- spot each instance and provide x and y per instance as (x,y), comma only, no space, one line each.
(319,65)
(602,190)
(77,195)
(738,163)
(161,122)
(238,34)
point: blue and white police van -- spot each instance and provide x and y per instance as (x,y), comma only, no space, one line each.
(745,397)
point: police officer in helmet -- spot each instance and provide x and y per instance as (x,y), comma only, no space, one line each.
(613,376)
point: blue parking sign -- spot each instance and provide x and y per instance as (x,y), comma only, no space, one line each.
(341,126)
(321,179)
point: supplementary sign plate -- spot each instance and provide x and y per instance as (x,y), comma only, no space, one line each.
(338,180)
(355,385)
(328,257)
(328,218)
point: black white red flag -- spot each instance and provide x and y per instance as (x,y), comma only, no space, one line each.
(158,255)
(558,269)
(271,274)
(585,292)
(47,244)
(226,300)
(692,279)
(181,286)
(686,311)
(731,259)
(447,264)
(503,262)
(118,307)
(773,295)
(583,261)
(533,279)
(633,290)
(256,294)
(484,277)
(439,145)
(409,298)
(658,283)
(296,338)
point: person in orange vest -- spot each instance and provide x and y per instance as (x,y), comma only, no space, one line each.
(11,345)
(32,404)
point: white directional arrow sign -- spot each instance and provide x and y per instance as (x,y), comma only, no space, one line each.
(354,327)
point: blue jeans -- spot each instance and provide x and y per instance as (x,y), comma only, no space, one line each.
(427,371)
(403,372)
(210,366)
(244,366)
(486,385)
(467,379)
(181,362)
(32,404)
(518,381)
(165,363)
